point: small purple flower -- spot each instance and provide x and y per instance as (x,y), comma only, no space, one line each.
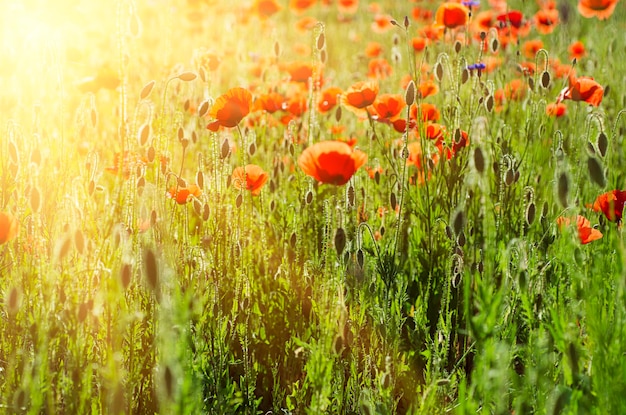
(476,66)
(470,3)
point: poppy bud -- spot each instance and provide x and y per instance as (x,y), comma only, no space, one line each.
(465,76)
(321,41)
(393,201)
(309,197)
(409,95)
(187,76)
(595,171)
(200,179)
(293,240)
(146,90)
(340,241)
(489,103)
(603,144)
(239,200)
(495,44)
(144,134)
(458,222)
(203,109)
(530,213)
(125,275)
(225,151)
(252,148)
(439,71)
(360,259)
(323,56)
(150,268)
(205,212)
(545,79)
(509,177)
(457,46)
(563,189)
(479,160)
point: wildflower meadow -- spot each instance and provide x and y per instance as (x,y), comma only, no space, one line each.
(312,207)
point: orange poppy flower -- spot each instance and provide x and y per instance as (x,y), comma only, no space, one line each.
(382,23)
(266,8)
(531,48)
(388,107)
(8,227)
(546,20)
(379,69)
(348,6)
(611,204)
(182,194)
(300,6)
(576,50)
(328,99)
(602,9)
(229,109)
(429,112)
(270,102)
(556,110)
(373,50)
(359,96)
(427,88)
(586,233)
(583,89)
(419,43)
(331,162)
(452,15)
(251,177)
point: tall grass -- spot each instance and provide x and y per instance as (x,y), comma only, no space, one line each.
(445,290)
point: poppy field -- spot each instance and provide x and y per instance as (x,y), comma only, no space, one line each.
(312,207)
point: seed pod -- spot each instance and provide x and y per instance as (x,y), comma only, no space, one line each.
(563,189)
(144,134)
(125,275)
(293,240)
(458,222)
(147,89)
(603,144)
(340,241)
(489,103)
(530,213)
(203,109)
(595,171)
(393,201)
(225,149)
(465,74)
(479,160)
(321,41)
(439,71)
(187,76)
(205,212)
(545,79)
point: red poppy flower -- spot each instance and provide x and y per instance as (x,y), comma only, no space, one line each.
(266,8)
(556,110)
(388,107)
(8,227)
(348,6)
(427,88)
(300,6)
(452,15)
(359,96)
(229,109)
(419,43)
(583,89)
(514,18)
(546,20)
(252,178)
(531,48)
(182,194)
(382,23)
(602,9)
(270,102)
(586,233)
(576,50)
(611,204)
(328,99)
(379,69)
(331,162)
